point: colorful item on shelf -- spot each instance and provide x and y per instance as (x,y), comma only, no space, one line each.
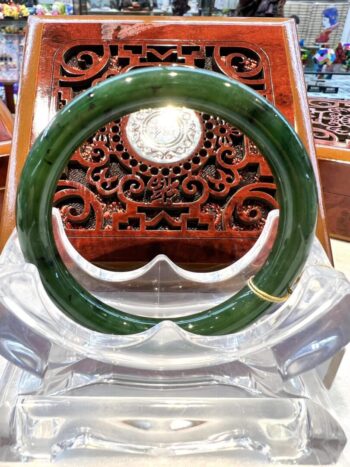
(305,55)
(205,91)
(330,17)
(58,8)
(340,55)
(13,11)
(324,56)
(340,58)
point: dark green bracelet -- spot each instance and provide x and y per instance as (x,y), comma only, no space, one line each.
(153,87)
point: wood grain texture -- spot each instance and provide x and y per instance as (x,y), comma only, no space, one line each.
(335,176)
(87,50)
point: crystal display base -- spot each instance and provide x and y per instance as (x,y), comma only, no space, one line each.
(231,412)
(257,394)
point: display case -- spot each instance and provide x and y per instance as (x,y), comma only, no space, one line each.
(11,54)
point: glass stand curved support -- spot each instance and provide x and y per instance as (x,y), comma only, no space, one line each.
(254,395)
(162,289)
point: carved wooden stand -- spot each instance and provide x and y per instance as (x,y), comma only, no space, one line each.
(119,207)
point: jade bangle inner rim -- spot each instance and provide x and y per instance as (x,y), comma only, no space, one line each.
(153,87)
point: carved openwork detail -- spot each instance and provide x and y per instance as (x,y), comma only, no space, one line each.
(84,65)
(331,121)
(220,187)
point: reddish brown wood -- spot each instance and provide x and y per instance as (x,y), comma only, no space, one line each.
(331,126)
(335,177)
(10,99)
(6,128)
(3,172)
(116,207)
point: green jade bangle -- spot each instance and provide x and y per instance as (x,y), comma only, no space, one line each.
(154,87)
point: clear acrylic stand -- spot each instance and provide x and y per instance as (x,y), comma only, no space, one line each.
(68,391)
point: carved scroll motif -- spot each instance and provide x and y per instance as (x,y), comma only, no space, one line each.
(331,121)
(223,187)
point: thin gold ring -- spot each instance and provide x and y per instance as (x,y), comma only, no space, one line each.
(264,295)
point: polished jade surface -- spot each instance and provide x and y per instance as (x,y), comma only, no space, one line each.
(154,87)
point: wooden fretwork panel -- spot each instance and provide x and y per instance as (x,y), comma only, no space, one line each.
(222,189)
